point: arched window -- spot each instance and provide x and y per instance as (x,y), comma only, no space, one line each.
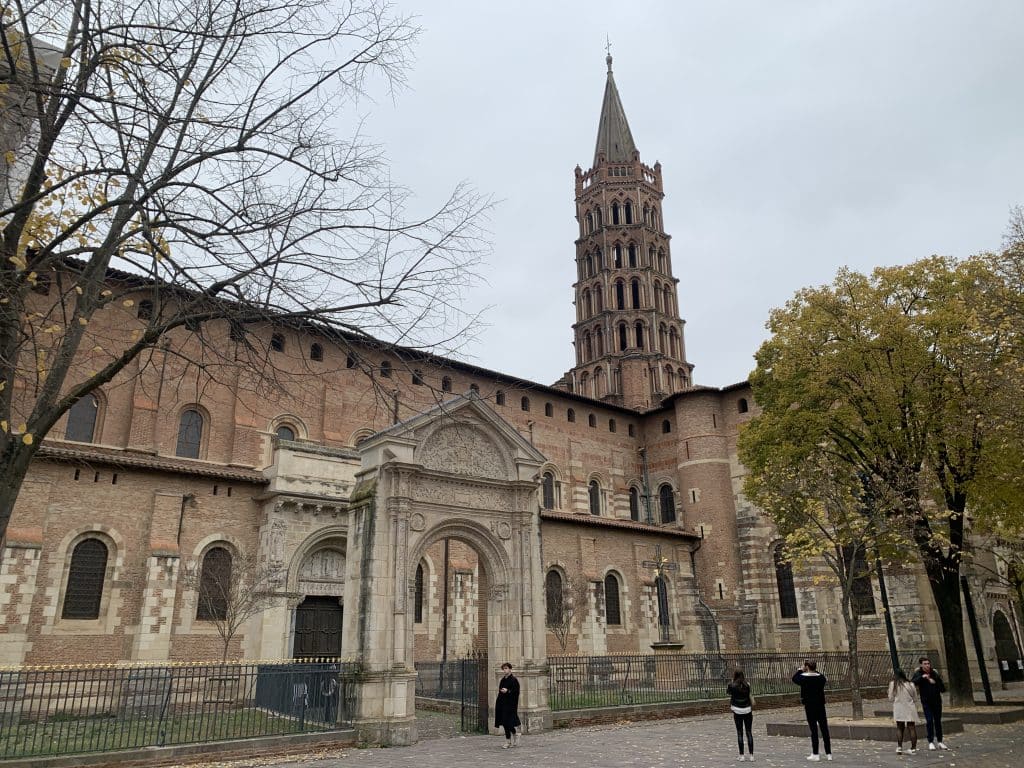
(634,289)
(589,264)
(666,427)
(673,342)
(316,352)
(599,341)
(277,342)
(611,425)
(612,614)
(667,501)
(548,486)
(631,430)
(592,420)
(594,493)
(214,585)
(617,250)
(654,217)
(632,255)
(585,384)
(553,598)
(590,222)
(84,591)
(670,378)
(623,337)
(598,298)
(599,383)
(784,582)
(190,434)
(524,403)
(145,310)
(668,300)
(620,295)
(634,502)
(629,212)
(418,596)
(651,258)
(570,415)
(499,398)
(662,337)
(285,432)
(446,384)
(599,219)
(82,420)
(615,213)
(549,410)
(742,406)
(661,587)
(417,377)
(647,214)
(684,379)
(662,264)
(639,335)
(385,369)
(598,260)
(588,348)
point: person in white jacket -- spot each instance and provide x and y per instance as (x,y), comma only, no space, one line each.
(903,695)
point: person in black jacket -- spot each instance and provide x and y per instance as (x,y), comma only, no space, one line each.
(506,706)
(741,702)
(812,694)
(930,687)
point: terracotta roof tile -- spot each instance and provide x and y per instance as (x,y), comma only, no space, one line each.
(614,522)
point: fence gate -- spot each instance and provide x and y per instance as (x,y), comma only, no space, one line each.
(473,693)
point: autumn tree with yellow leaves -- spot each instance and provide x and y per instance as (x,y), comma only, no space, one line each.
(910,377)
(205,159)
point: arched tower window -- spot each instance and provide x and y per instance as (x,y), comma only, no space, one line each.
(316,352)
(418,595)
(599,341)
(629,212)
(598,260)
(615,214)
(632,254)
(668,300)
(620,295)
(590,222)
(524,403)
(661,261)
(666,427)
(784,583)
(667,501)
(548,490)
(634,502)
(634,288)
(617,256)
(588,350)
(585,384)
(623,337)
(598,216)
(670,378)
(190,434)
(647,214)
(598,298)
(654,217)
(553,597)
(86,574)
(612,614)
(662,337)
(499,398)
(742,406)
(588,263)
(639,335)
(446,384)
(214,585)
(549,410)
(82,420)
(651,258)
(570,415)
(594,496)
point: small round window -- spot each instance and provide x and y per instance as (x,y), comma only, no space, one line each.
(285,432)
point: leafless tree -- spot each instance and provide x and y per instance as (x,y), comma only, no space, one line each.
(575,602)
(230,589)
(203,161)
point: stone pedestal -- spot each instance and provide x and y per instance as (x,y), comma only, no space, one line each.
(385,704)
(668,672)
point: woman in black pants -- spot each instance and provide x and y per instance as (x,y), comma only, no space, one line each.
(741,702)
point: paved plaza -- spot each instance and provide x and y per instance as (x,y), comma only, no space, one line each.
(690,742)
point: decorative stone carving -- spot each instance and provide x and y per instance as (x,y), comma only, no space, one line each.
(463,449)
(504,531)
(417,522)
(324,565)
(434,491)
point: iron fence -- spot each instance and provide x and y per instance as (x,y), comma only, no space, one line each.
(580,682)
(460,681)
(100,708)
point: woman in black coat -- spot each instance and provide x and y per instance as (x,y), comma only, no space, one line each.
(506,706)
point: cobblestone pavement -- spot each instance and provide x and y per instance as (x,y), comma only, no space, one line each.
(685,743)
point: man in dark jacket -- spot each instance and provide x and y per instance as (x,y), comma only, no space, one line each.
(812,694)
(506,706)
(930,688)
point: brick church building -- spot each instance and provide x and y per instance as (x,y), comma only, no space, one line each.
(465,509)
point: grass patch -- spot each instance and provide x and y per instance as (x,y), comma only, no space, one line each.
(65,735)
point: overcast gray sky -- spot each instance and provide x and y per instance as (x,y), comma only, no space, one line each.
(796,137)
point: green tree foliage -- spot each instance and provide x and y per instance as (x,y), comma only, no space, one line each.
(908,377)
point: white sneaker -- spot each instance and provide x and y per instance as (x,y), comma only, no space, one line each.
(899,750)
(751,758)
(829,757)
(742,758)
(507,745)
(814,758)
(931,745)
(942,746)
(912,751)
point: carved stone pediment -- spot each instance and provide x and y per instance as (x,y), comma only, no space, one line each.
(464,449)
(323,565)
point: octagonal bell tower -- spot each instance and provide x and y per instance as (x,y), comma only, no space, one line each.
(628,333)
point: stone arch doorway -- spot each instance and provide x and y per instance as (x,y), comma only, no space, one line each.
(1007,652)
(319,584)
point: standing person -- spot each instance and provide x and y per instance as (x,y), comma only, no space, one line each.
(812,694)
(903,695)
(506,714)
(930,688)
(329,694)
(741,702)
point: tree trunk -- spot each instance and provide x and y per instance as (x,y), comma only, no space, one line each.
(946,591)
(15,464)
(852,625)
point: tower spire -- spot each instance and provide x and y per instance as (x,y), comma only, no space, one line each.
(614,139)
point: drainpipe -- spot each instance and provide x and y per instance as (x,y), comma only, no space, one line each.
(647,487)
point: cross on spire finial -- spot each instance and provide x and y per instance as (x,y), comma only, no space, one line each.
(608,51)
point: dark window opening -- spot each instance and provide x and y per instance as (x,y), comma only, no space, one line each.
(666,427)
(385,369)
(668,503)
(446,384)
(592,420)
(499,398)
(351,361)
(548,486)
(742,405)
(612,614)
(214,585)
(84,592)
(81,426)
(631,430)
(594,496)
(570,415)
(316,352)
(634,504)
(611,425)
(553,598)
(418,598)
(190,434)
(277,342)
(549,409)
(417,378)
(524,404)
(284,432)
(784,583)
(145,310)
